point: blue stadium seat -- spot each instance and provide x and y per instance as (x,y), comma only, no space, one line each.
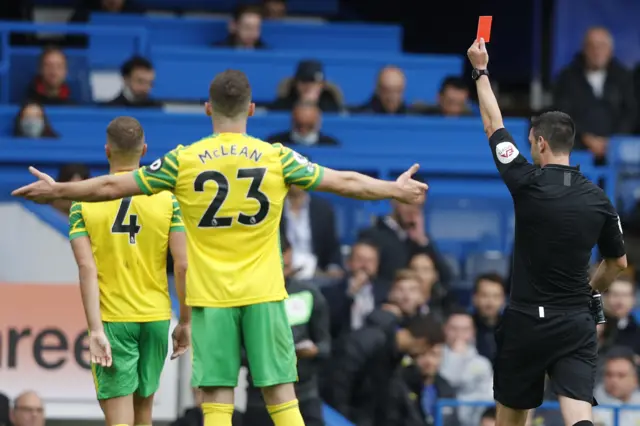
(171,31)
(354,73)
(486,262)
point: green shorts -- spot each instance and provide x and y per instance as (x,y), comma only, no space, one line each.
(139,350)
(218,333)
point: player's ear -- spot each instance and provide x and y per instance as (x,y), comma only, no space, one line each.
(252,109)
(144,149)
(107,151)
(207,109)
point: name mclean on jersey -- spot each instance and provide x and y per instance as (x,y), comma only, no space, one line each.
(225,150)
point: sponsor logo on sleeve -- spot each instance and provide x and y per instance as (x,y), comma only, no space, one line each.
(506,152)
(156,165)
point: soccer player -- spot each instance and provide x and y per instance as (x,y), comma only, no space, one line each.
(549,327)
(231,188)
(120,247)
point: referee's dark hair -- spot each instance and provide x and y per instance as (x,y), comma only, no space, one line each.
(230,95)
(135,63)
(557,128)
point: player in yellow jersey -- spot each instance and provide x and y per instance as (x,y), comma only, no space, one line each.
(231,188)
(121,250)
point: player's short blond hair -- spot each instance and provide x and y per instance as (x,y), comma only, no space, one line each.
(125,134)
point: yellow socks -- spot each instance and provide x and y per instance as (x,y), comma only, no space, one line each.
(217,414)
(287,414)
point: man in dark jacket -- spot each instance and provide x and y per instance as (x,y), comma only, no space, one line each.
(308,315)
(389,95)
(427,386)
(308,86)
(621,324)
(597,91)
(401,235)
(488,302)
(306,120)
(365,372)
(245,29)
(138,76)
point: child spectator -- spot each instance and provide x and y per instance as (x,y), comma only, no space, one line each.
(32,122)
(49,87)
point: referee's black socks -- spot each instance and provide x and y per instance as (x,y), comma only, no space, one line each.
(584,423)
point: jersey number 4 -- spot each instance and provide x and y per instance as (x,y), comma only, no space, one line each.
(119,227)
(209,218)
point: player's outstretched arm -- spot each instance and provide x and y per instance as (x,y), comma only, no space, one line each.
(103,188)
(489,109)
(356,185)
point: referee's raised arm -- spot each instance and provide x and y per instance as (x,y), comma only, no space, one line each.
(513,167)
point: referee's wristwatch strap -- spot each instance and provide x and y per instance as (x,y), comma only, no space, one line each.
(476,73)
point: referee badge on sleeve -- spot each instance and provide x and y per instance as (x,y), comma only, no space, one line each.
(506,152)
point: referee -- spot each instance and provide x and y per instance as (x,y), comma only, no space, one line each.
(549,327)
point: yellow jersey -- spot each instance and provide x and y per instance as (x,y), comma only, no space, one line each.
(130,239)
(231,189)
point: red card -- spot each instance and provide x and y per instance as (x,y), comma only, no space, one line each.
(484,28)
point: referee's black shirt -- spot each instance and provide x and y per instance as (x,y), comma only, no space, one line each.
(560,217)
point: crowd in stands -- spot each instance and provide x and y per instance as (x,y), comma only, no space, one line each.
(393,338)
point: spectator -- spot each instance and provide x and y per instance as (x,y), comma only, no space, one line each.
(406,293)
(619,304)
(138,76)
(389,94)
(620,387)
(310,87)
(32,122)
(308,221)
(453,99)
(83,12)
(274,9)
(28,410)
(469,373)
(488,417)
(597,91)
(399,236)
(353,299)
(428,386)
(436,300)
(366,374)
(49,87)
(69,173)
(305,128)
(309,318)
(488,302)
(245,29)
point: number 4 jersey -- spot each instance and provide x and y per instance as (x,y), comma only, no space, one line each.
(130,239)
(231,189)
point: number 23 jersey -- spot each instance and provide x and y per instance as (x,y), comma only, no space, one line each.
(231,189)
(129,240)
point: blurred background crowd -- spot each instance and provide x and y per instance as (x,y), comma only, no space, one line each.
(397,318)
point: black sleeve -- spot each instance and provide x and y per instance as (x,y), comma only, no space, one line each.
(319,325)
(611,242)
(514,169)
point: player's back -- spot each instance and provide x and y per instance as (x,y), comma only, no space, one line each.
(231,188)
(130,239)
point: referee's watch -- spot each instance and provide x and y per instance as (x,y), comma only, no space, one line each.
(476,73)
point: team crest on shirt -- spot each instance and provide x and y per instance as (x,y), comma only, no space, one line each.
(156,165)
(506,152)
(301,159)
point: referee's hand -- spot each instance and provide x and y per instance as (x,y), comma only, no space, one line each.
(478,55)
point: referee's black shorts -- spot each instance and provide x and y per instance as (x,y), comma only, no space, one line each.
(532,344)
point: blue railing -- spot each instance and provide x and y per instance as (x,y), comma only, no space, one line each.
(139,35)
(547,405)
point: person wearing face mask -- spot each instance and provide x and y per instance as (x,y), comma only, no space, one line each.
(31,122)
(306,120)
(138,76)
